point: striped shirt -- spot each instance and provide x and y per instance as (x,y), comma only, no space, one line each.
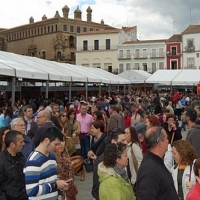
(40,176)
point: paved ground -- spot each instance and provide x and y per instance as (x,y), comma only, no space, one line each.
(84,187)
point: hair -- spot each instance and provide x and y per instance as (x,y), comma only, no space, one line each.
(112,152)
(168,116)
(154,121)
(134,135)
(70,111)
(197,167)
(60,114)
(98,124)
(56,122)
(2,130)
(98,107)
(11,136)
(186,151)
(53,104)
(2,109)
(52,134)
(114,108)
(9,112)
(155,136)
(191,113)
(113,134)
(24,108)
(15,121)
(99,115)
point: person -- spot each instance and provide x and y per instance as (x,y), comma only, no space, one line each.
(114,181)
(65,170)
(18,124)
(134,152)
(182,172)
(98,116)
(154,181)
(194,193)
(151,120)
(170,108)
(2,116)
(3,132)
(179,108)
(12,181)
(62,118)
(114,136)
(193,136)
(44,182)
(172,129)
(127,119)
(85,120)
(8,116)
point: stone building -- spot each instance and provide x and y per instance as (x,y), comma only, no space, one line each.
(53,38)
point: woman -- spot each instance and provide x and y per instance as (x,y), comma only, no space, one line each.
(62,118)
(113,178)
(134,152)
(194,193)
(183,175)
(65,171)
(98,116)
(3,132)
(8,116)
(152,121)
(179,108)
(172,129)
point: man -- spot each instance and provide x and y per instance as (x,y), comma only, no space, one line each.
(169,107)
(28,114)
(54,109)
(44,122)
(114,136)
(15,110)
(18,124)
(193,136)
(12,182)
(40,169)
(154,181)
(116,120)
(85,120)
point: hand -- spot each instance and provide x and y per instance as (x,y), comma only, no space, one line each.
(74,135)
(92,155)
(63,185)
(189,185)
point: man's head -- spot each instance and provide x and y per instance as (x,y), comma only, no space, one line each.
(116,136)
(112,109)
(14,141)
(15,107)
(83,109)
(156,140)
(18,124)
(28,112)
(51,138)
(133,106)
(43,117)
(54,108)
(190,115)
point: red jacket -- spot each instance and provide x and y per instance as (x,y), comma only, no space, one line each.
(194,193)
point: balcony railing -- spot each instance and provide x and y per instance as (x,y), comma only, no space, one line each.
(190,48)
(140,55)
(191,67)
(157,55)
(123,57)
(169,53)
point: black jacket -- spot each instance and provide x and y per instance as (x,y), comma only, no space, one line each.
(154,181)
(12,180)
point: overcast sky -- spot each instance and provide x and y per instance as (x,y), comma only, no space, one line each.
(154,19)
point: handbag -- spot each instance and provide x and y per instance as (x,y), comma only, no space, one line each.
(77,162)
(135,162)
(88,163)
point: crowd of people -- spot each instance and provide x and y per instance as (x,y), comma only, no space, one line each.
(133,140)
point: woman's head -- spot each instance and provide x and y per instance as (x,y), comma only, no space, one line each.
(152,121)
(183,152)
(3,132)
(131,135)
(9,112)
(71,114)
(170,118)
(62,116)
(115,154)
(97,115)
(62,146)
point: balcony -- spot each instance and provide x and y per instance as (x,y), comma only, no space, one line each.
(123,57)
(141,55)
(191,67)
(157,55)
(190,49)
(169,53)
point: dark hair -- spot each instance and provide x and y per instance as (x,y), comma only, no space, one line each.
(98,124)
(153,138)
(154,121)
(70,111)
(99,115)
(115,108)
(98,107)
(55,121)
(197,167)
(191,113)
(113,134)
(52,134)
(134,135)
(2,130)
(168,116)
(9,112)
(2,109)
(11,136)
(24,108)
(112,152)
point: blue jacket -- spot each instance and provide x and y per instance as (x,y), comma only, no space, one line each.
(28,147)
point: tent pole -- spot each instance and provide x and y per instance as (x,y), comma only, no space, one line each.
(109,90)
(86,91)
(13,90)
(47,89)
(100,89)
(70,91)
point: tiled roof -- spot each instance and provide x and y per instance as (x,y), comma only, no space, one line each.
(192,29)
(175,38)
(144,41)
(127,29)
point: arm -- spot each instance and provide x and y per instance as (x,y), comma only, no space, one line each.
(78,128)
(138,153)
(2,180)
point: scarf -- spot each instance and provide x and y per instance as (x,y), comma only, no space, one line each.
(122,172)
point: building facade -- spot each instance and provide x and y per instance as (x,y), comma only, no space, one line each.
(147,55)
(191,47)
(174,52)
(53,38)
(99,48)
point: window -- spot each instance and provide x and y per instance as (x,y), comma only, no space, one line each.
(44,55)
(136,66)
(64,27)
(96,65)
(51,28)
(84,29)
(190,42)
(120,53)
(85,45)
(91,29)
(56,27)
(153,53)
(45,30)
(38,31)
(128,53)
(107,43)
(161,65)
(128,66)
(173,50)
(35,32)
(48,29)
(96,44)
(137,53)
(72,55)
(71,28)
(153,67)
(41,30)
(144,53)
(161,52)
(78,29)
(121,67)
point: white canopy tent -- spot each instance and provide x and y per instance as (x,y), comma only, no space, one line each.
(135,76)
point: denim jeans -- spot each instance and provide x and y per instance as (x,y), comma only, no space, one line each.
(85,145)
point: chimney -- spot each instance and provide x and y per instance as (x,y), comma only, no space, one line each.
(65,10)
(77,13)
(57,15)
(31,20)
(89,14)
(102,22)
(44,17)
